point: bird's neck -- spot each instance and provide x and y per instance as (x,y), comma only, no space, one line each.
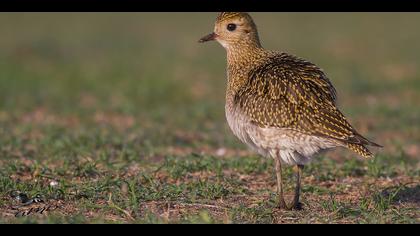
(241,59)
(243,54)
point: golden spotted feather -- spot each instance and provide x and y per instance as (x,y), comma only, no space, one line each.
(228,15)
(288,92)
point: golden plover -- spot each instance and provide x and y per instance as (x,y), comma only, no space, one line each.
(280,105)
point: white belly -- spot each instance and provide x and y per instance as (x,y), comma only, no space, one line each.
(239,124)
(292,147)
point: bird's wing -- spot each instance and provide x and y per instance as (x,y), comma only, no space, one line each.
(289,92)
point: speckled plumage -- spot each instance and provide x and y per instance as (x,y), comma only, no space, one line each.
(279,104)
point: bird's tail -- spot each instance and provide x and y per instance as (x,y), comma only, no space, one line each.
(360,147)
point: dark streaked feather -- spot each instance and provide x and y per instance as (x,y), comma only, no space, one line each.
(289,92)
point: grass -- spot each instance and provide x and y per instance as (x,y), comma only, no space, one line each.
(125,113)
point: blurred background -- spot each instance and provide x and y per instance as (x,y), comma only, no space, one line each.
(73,82)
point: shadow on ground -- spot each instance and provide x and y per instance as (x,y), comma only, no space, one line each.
(403,194)
(409,195)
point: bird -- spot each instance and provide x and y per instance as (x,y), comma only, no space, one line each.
(280,105)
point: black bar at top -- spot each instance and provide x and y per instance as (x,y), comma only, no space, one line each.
(211,5)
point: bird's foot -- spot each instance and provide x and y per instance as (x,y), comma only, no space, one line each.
(282,204)
(298,206)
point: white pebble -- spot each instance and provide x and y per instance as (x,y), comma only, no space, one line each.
(53,183)
(221,152)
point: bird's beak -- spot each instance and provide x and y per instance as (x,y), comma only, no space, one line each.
(208,37)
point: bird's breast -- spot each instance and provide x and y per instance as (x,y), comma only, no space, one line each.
(236,120)
(240,125)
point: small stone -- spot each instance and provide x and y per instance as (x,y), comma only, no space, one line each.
(221,152)
(54,183)
(124,188)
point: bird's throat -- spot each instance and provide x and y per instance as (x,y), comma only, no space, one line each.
(243,54)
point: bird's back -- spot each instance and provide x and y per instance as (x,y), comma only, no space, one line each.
(286,93)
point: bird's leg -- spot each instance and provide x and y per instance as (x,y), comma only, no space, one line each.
(296,205)
(282,203)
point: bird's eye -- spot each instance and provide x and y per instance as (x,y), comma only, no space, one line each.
(231,27)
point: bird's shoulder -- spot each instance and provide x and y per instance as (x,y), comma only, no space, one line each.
(283,74)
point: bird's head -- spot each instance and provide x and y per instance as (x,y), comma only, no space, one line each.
(232,29)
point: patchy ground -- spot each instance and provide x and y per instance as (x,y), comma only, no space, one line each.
(109,121)
(205,189)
